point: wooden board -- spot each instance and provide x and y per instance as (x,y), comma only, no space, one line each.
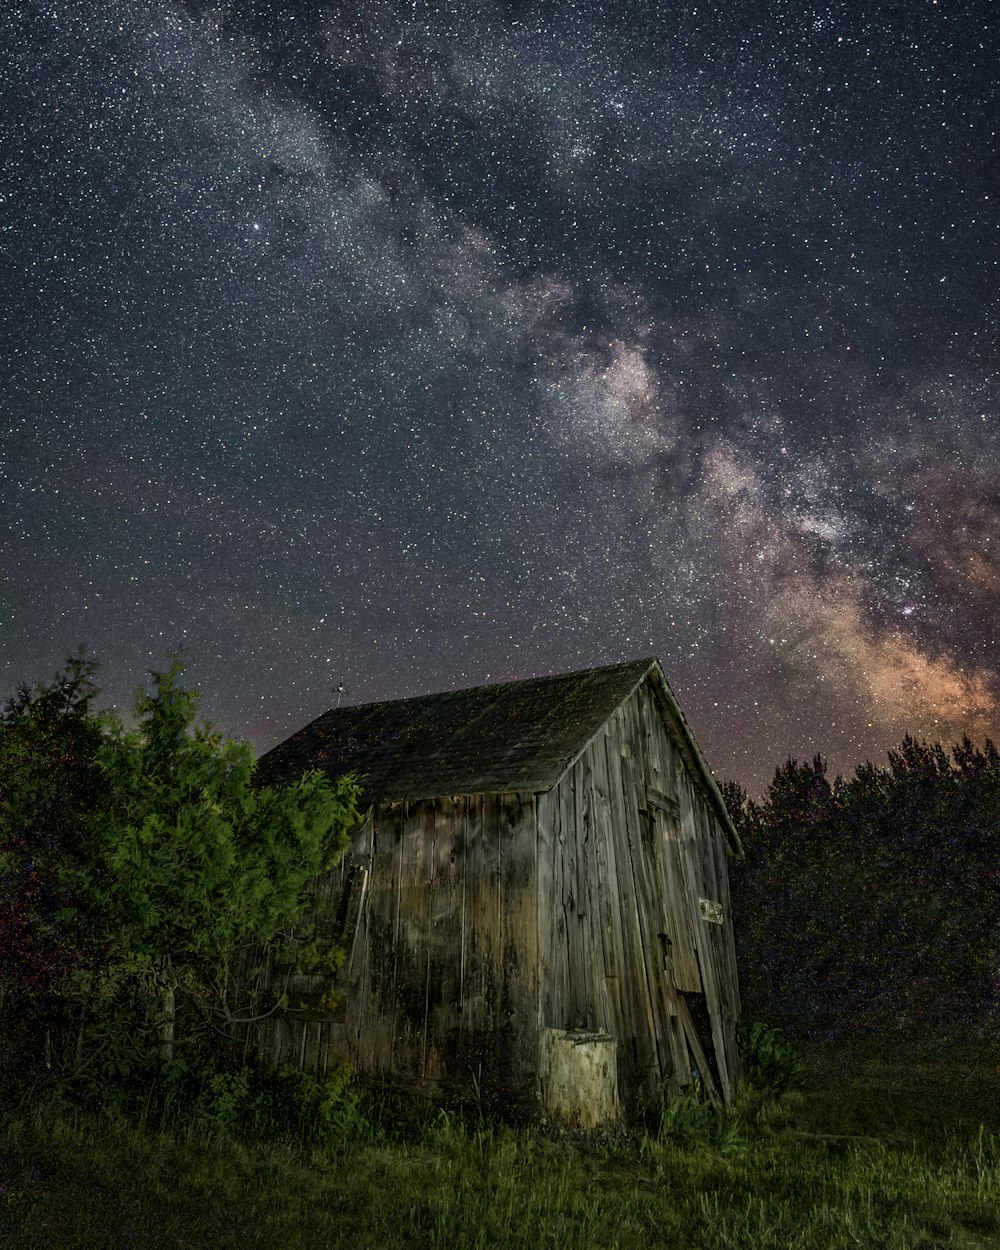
(518,937)
(694,1041)
(445,935)
(411,955)
(641,1040)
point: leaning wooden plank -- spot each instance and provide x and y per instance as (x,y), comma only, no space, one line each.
(643,1031)
(696,1049)
(710,939)
(644,864)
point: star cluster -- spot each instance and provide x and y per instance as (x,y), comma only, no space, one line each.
(426,344)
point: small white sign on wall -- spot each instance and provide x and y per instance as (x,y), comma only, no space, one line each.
(711,911)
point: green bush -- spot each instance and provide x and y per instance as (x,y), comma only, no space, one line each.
(290,1102)
(221,1103)
(215,1097)
(691,1119)
(770,1062)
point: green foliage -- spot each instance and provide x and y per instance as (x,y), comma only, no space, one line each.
(769,1061)
(141,869)
(325,1109)
(49,809)
(217,1097)
(221,1103)
(870,904)
(199,861)
(688,1119)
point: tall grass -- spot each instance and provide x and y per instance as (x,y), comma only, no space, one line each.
(880,1151)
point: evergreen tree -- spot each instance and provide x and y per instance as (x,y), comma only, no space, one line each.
(873,903)
(51,797)
(139,868)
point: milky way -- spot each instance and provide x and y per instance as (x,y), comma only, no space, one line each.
(423,345)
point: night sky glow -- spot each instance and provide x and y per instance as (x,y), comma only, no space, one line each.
(424,345)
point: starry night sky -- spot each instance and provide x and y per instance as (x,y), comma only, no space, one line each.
(424,345)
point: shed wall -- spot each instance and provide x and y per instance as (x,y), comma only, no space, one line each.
(627,846)
(438,904)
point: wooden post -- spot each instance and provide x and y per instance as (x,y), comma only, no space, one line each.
(167,1008)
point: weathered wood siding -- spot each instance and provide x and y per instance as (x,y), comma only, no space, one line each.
(627,847)
(440,982)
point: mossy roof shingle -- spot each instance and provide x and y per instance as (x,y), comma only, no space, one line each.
(516,736)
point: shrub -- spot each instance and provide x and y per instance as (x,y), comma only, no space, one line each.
(770,1062)
(691,1119)
(214,1096)
(326,1109)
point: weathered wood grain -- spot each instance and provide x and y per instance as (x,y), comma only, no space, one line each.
(445,936)
(643,1025)
(519,938)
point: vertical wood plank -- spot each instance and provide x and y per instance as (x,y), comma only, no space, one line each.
(604,886)
(692,867)
(474,866)
(644,863)
(694,850)
(718,940)
(383,936)
(641,1041)
(519,937)
(445,936)
(563,904)
(432,988)
(579,953)
(483,936)
(356,972)
(618,888)
(492,826)
(545,886)
(411,983)
(596,966)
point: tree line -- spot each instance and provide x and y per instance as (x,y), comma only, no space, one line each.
(872,903)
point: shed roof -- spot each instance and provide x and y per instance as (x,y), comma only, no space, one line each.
(515,736)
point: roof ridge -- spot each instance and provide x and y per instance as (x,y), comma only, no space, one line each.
(500,737)
(491,685)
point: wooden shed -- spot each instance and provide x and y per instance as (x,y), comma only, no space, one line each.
(536,857)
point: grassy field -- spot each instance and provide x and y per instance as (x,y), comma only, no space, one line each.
(886,1150)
